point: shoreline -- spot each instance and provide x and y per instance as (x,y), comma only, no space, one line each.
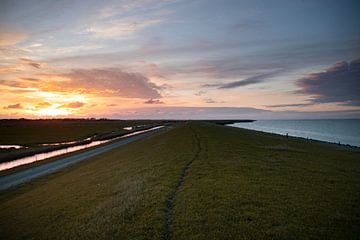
(349,146)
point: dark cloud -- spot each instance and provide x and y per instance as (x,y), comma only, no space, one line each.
(111,81)
(248,81)
(31,62)
(111,105)
(14,106)
(154,101)
(35,65)
(73,105)
(241,83)
(290,105)
(199,93)
(30,79)
(338,83)
(209,100)
(15,84)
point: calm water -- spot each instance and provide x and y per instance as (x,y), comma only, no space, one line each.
(345,131)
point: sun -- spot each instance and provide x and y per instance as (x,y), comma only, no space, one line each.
(56,104)
(53,111)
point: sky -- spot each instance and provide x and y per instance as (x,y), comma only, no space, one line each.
(180,59)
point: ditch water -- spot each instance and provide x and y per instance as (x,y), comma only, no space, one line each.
(11,146)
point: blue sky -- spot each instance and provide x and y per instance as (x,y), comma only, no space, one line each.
(106,57)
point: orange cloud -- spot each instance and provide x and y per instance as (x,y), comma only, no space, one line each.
(44,104)
(14,106)
(30,79)
(109,82)
(73,105)
(31,62)
(15,84)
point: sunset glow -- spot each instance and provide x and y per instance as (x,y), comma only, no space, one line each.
(109,58)
(53,111)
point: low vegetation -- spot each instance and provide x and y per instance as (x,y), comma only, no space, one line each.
(196,181)
(71,132)
(30,132)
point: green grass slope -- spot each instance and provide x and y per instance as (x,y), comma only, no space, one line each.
(197,181)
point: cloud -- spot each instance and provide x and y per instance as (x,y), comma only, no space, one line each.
(110,82)
(20,91)
(44,104)
(290,105)
(11,52)
(11,38)
(111,105)
(76,48)
(338,83)
(11,83)
(101,82)
(119,28)
(73,105)
(288,55)
(131,7)
(199,93)
(14,106)
(154,101)
(30,79)
(210,100)
(31,62)
(241,83)
(248,81)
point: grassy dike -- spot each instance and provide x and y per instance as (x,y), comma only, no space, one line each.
(197,181)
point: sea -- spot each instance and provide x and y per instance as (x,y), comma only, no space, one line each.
(343,131)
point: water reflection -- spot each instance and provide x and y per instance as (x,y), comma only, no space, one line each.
(11,146)
(42,156)
(57,144)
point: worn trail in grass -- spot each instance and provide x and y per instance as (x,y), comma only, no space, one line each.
(170,202)
(220,183)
